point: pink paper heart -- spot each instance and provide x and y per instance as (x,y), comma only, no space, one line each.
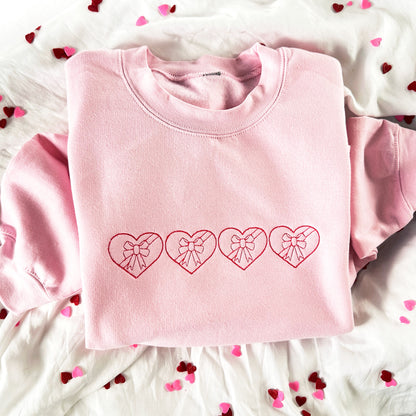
(66,311)
(236,351)
(169,387)
(77,372)
(376,41)
(1,97)
(404,320)
(164,9)
(277,403)
(141,21)
(365,4)
(410,304)
(392,382)
(294,385)
(18,112)
(224,407)
(318,394)
(190,378)
(69,51)
(349,3)
(399,118)
(177,385)
(280,395)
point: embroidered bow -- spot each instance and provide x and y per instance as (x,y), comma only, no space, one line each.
(134,252)
(190,249)
(240,246)
(293,244)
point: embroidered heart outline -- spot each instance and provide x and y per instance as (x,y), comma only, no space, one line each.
(293,243)
(237,248)
(181,247)
(130,253)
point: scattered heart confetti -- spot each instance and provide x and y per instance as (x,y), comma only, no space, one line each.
(412,86)
(236,350)
(1,97)
(277,403)
(190,368)
(337,7)
(120,379)
(386,68)
(313,377)
(173,8)
(164,9)
(141,21)
(318,394)
(30,37)
(59,53)
(224,407)
(376,41)
(305,413)
(93,8)
(177,385)
(391,383)
(69,51)
(404,320)
(17,324)
(320,385)
(9,111)
(65,377)
(18,112)
(77,372)
(190,377)
(409,119)
(280,395)
(67,311)
(365,4)
(399,118)
(349,3)
(3,123)
(133,346)
(3,313)
(38,28)
(107,386)
(300,400)
(273,393)
(228,413)
(294,385)
(169,387)
(181,367)
(386,375)
(76,299)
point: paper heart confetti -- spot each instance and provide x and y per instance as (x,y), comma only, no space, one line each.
(3,123)
(318,394)
(107,386)
(133,346)
(386,375)
(120,379)
(93,8)
(65,377)
(9,111)
(277,403)
(69,51)
(313,377)
(305,413)
(294,385)
(236,350)
(337,7)
(76,299)
(169,387)
(391,383)
(386,68)
(17,324)
(399,118)
(77,372)
(173,8)
(181,367)
(190,377)
(3,313)
(1,97)
(190,368)
(409,119)
(300,400)
(141,21)
(18,112)
(224,407)
(59,53)
(349,3)
(30,37)
(376,42)
(67,311)
(273,393)
(404,320)
(412,86)
(164,9)
(177,385)
(320,385)
(365,4)
(409,304)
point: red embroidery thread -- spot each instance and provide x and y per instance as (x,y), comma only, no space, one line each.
(135,255)
(294,247)
(190,252)
(246,247)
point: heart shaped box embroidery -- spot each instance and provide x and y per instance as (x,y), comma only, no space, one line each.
(294,247)
(135,255)
(190,252)
(242,248)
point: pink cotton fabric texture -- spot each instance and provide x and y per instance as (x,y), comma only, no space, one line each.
(218,201)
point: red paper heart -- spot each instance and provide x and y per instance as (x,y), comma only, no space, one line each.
(38,28)
(135,255)
(229,413)
(294,247)
(190,252)
(65,377)
(305,413)
(59,53)
(386,376)
(173,8)
(412,86)
(3,123)
(120,379)
(30,36)
(181,367)
(409,119)
(386,68)
(107,386)
(190,368)
(337,7)
(3,313)
(96,2)
(93,8)
(242,248)
(300,400)
(313,377)
(75,300)
(273,393)
(320,385)
(9,111)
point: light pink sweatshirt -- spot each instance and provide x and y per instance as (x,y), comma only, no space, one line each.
(208,202)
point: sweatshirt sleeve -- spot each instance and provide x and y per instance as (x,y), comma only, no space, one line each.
(383,183)
(39,257)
